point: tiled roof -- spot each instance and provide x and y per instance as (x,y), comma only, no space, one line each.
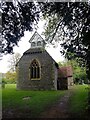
(37,51)
(32,50)
(65,71)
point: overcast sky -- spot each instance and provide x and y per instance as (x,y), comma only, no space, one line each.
(25,45)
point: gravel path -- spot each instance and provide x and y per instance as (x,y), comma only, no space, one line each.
(60,109)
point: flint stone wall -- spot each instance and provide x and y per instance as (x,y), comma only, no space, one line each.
(48,71)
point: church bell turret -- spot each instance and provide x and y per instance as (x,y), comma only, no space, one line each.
(37,41)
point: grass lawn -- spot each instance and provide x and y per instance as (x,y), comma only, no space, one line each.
(89,100)
(13,102)
(15,106)
(79,101)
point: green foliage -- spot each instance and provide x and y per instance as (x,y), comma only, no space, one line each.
(79,73)
(16,19)
(72,28)
(70,21)
(10,78)
(79,101)
(38,102)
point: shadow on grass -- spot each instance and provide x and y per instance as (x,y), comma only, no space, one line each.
(79,102)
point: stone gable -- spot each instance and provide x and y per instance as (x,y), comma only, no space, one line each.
(48,68)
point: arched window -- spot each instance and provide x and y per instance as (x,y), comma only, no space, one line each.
(35,70)
(33,44)
(38,43)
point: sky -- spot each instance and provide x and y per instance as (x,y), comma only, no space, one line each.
(25,45)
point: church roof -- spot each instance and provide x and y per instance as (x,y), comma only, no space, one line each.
(39,50)
(36,37)
(31,51)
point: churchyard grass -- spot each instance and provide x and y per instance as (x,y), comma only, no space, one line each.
(28,103)
(79,101)
(38,101)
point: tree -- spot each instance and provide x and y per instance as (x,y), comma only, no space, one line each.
(13,61)
(10,77)
(16,19)
(79,73)
(71,23)
(70,20)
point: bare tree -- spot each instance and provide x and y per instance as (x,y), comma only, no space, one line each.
(13,61)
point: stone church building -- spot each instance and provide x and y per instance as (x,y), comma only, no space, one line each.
(37,70)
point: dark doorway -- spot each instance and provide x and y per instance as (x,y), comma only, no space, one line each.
(58,85)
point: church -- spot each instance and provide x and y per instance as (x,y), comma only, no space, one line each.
(37,70)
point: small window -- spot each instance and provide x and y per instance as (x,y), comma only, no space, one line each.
(33,44)
(38,43)
(35,70)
